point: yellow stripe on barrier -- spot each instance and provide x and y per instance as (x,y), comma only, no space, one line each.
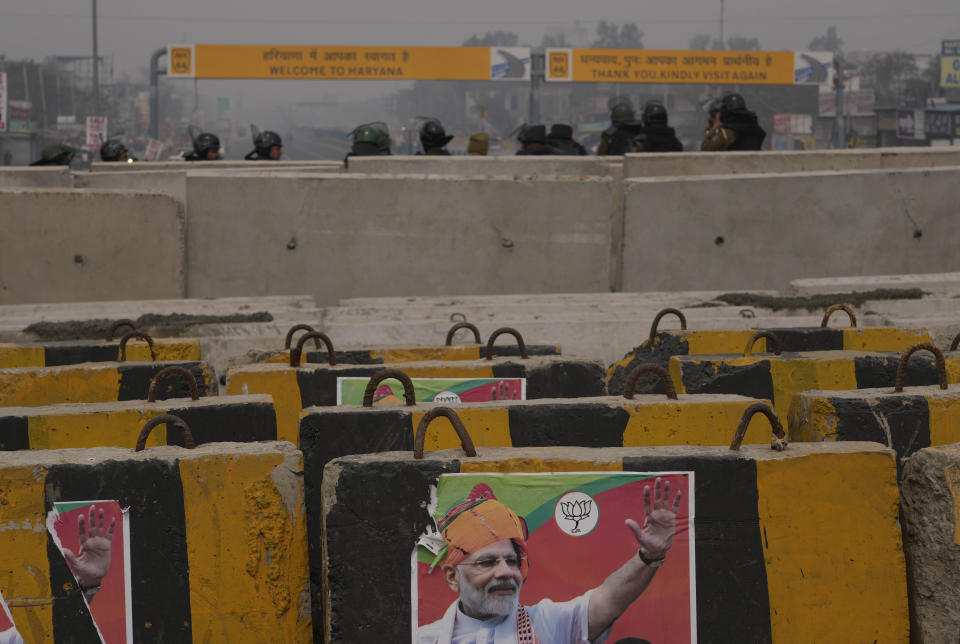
(246,548)
(809,568)
(793,376)
(24,568)
(35,387)
(168,350)
(13,356)
(882,338)
(488,428)
(93,430)
(812,419)
(282,384)
(421,354)
(726,341)
(449,370)
(687,422)
(944,417)
(533,465)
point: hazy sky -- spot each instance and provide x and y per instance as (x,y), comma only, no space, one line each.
(131,29)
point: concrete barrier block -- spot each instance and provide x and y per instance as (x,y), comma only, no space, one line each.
(853,219)
(35,177)
(929,489)
(662,344)
(486,166)
(412,353)
(97,382)
(76,243)
(483,226)
(213,419)
(168,182)
(52,354)
(296,388)
(780,377)
(718,163)
(217,542)
(766,551)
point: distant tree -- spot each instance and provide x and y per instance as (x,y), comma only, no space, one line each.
(493,39)
(609,36)
(889,74)
(554,40)
(737,43)
(828,42)
(703,42)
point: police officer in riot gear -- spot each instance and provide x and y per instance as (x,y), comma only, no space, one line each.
(56,154)
(267,146)
(533,141)
(624,127)
(561,139)
(434,139)
(735,127)
(657,136)
(206,147)
(114,150)
(369,139)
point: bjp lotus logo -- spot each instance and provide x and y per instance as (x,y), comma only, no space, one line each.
(576,514)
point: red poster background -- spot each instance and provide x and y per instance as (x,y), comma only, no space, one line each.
(108,606)
(563,567)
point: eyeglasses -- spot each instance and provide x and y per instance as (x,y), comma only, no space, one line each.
(488,564)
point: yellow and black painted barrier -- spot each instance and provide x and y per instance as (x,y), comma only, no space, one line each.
(658,348)
(217,542)
(905,421)
(410,353)
(98,382)
(775,535)
(212,419)
(52,354)
(778,376)
(311,385)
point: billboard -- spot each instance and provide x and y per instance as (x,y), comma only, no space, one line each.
(950,63)
(689,67)
(910,124)
(96,131)
(315,62)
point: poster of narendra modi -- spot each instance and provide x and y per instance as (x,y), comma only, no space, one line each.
(556,559)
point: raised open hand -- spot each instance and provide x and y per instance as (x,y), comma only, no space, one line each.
(92,560)
(660,522)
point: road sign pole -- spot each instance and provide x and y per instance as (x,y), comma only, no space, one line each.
(537,67)
(154,93)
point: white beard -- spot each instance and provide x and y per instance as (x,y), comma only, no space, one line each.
(484,605)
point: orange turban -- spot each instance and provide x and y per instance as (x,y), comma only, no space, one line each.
(477,522)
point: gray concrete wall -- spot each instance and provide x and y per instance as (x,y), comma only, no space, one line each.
(688,164)
(36,177)
(74,246)
(486,166)
(335,236)
(148,166)
(168,182)
(761,231)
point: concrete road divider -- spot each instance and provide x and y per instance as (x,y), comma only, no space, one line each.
(208,544)
(772,534)
(929,489)
(905,421)
(665,343)
(212,419)
(51,354)
(35,177)
(407,353)
(87,240)
(309,385)
(98,382)
(779,376)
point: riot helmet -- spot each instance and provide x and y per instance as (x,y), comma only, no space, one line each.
(113,150)
(732,102)
(622,113)
(654,113)
(432,135)
(206,141)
